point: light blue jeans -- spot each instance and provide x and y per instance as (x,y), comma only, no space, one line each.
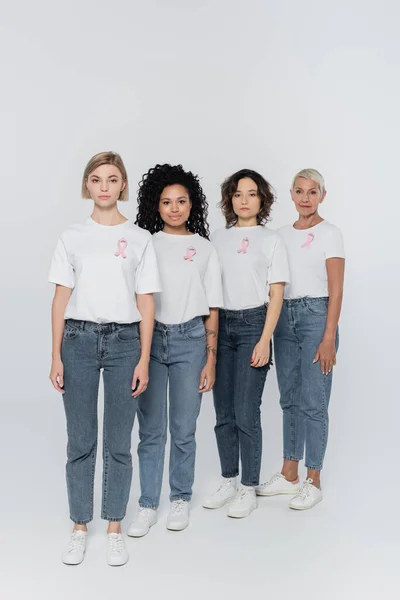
(304,390)
(87,348)
(178,355)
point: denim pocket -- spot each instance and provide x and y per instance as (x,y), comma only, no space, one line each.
(255,320)
(129,333)
(317,307)
(197,332)
(70,332)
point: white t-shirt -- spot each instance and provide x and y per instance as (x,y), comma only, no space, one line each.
(251,259)
(105,266)
(308,250)
(190,277)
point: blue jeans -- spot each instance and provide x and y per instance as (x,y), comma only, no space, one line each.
(238,392)
(86,349)
(178,355)
(304,390)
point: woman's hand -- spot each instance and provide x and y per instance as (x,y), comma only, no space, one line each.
(207,377)
(326,355)
(261,353)
(140,377)
(57,374)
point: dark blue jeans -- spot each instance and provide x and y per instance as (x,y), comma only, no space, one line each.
(238,392)
(304,390)
(178,355)
(87,348)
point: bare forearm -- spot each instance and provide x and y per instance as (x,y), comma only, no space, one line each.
(332,320)
(211,325)
(145,303)
(335,272)
(274,310)
(59,305)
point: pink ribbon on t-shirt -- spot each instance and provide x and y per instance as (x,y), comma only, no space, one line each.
(122,244)
(310,237)
(190,252)
(244,246)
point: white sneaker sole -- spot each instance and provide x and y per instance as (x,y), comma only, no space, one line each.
(139,534)
(177,527)
(305,507)
(73,564)
(220,504)
(280,493)
(117,562)
(241,515)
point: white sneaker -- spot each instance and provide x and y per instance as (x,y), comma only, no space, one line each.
(178,517)
(278,484)
(142,521)
(244,503)
(117,554)
(307,497)
(75,550)
(226,492)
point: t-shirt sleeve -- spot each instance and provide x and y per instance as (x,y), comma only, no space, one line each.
(279,266)
(334,245)
(62,270)
(147,275)
(213,281)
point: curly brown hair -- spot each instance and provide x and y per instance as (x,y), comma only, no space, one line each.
(264,190)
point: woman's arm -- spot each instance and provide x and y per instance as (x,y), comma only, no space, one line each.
(145,304)
(326,352)
(61,297)
(207,378)
(261,352)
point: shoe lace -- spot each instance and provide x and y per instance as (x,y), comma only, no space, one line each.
(274,478)
(115,543)
(178,506)
(305,489)
(142,514)
(244,494)
(224,485)
(76,542)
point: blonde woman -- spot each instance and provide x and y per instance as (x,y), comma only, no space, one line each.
(105,274)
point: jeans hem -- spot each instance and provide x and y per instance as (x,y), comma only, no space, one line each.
(319,468)
(250,484)
(230,475)
(185,497)
(293,458)
(81,521)
(147,505)
(112,519)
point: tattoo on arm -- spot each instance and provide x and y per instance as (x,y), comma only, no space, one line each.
(211,332)
(212,350)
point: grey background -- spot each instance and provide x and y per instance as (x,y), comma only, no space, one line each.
(275,86)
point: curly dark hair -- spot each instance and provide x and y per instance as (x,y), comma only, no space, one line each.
(229,187)
(150,190)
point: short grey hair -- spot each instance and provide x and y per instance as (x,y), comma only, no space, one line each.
(311,174)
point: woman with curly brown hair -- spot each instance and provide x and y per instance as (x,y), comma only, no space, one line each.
(254,271)
(173,207)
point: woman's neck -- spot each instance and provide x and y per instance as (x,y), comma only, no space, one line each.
(252,222)
(108,216)
(308,222)
(181,230)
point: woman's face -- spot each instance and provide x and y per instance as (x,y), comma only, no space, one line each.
(306,196)
(105,185)
(246,201)
(174,205)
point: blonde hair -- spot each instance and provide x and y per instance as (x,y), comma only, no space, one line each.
(311,174)
(105,158)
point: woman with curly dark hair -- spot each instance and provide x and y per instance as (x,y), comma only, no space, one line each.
(172,206)
(254,271)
